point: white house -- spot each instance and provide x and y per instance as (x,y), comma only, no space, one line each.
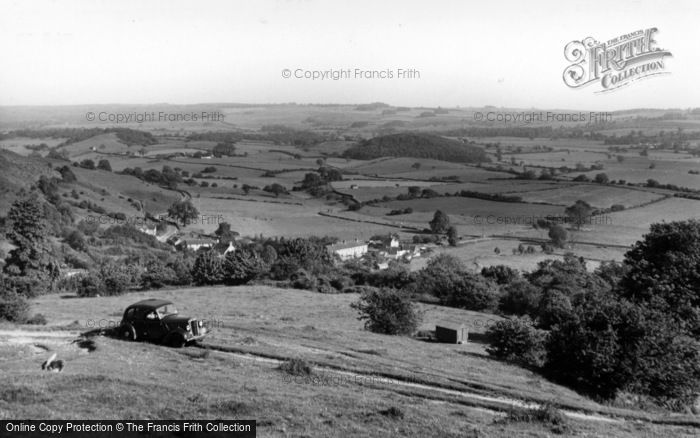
(348,251)
(394,242)
(196,244)
(151,231)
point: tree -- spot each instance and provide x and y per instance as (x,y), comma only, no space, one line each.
(31,263)
(558,235)
(664,272)
(225,233)
(579,213)
(452,235)
(387,311)
(13,306)
(104,165)
(501,274)
(276,189)
(311,180)
(242,266)
(520,298)
(297,254)
(587,351)
(440,223)
(207,269)
(601,178)
(183,211)
(414,191)
(67,174)
(157,274)
(76,240)
(87,164)
(472,292)
(517,340)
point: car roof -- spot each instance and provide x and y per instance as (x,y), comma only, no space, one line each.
(151,303)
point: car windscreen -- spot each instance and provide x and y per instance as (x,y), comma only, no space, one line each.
(168,309)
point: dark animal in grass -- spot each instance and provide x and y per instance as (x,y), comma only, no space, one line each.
(52,364)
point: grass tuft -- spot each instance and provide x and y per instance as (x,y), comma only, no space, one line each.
(393,413)
(296,367)
(546,415)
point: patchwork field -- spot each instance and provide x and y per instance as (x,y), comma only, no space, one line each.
(596,195)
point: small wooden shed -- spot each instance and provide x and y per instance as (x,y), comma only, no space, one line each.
(451,332)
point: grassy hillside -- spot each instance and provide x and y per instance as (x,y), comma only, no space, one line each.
(416,146)
(18,172)
(268,323)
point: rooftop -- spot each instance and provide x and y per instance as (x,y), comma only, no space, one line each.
(151,303)
(340,245)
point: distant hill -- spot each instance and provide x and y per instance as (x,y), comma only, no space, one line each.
(416,145)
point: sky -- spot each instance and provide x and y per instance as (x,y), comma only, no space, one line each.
(467,53)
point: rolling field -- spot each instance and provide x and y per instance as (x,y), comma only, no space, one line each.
(596,195)
(558,159)
(475,207)
(252,218)
(636,170)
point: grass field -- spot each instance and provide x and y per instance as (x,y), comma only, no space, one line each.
(17,144)
(321,329)
(252,217)
(472,207)
(597,196)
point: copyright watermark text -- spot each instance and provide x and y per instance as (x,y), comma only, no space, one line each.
(528,117)
(338,74)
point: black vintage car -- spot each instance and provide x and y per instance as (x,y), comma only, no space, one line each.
(158,321)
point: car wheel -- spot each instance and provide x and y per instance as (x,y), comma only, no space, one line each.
(175,340)
(128,332)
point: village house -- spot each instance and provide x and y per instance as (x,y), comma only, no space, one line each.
(151,231)
(195,244)
(349,250)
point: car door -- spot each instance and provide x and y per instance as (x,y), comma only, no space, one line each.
(154,326)
(137,319)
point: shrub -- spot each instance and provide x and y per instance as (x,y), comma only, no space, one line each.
(546,414)
(90,285)
(303,280)
(117,278)
(38,319)
(76,240)
(617,207)
(157,275)
(387,311)
(13,306)
(517,340)
(393,412)
(296,367)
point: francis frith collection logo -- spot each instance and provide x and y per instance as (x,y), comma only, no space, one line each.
(614,63)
